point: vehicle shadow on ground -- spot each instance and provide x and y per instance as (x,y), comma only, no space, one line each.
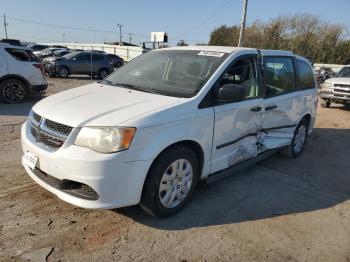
(21,109)
(274,187)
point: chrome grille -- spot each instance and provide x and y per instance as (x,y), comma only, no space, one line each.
(34,131)
(49,140)
(48,132)
(338,90)
(340,85)
(58,127)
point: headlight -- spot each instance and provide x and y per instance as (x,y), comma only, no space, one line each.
(105,139)
(327,86)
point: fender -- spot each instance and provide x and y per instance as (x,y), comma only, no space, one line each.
(9,76)
(151,141)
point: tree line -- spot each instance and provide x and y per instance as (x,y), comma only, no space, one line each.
(304,35)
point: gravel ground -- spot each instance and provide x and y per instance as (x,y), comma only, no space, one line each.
(277,210)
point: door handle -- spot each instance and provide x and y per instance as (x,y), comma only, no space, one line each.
(256,109)
(270,107)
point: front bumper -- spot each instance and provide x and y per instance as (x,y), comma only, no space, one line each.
(329,95)
(49,67)
(116,182)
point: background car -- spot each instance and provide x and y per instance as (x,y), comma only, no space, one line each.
(82,63)
(60,52)
(47,52)
(37,47)
(20,73)
(336,89)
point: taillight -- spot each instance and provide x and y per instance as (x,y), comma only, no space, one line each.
(40,67)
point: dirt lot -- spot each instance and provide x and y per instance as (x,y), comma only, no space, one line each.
(277,210)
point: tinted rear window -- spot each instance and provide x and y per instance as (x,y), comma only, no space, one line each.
(306,75)
(22,55)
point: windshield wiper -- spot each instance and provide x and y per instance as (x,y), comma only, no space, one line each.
(133,87)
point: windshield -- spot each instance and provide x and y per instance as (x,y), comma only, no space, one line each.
(344,72)
(168,72)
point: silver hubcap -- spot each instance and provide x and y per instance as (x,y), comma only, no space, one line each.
(13,93)
(175,183)
(299,139)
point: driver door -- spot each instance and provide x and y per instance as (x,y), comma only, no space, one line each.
(237,123)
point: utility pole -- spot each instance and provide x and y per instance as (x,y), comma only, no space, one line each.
(5,25)
(244,16)
(120,32)
(130,37)
(63,37)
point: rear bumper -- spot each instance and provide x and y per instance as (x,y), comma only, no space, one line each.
(115,182)
(38,88)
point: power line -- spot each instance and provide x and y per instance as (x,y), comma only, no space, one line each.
(37,38)
(66,27)
(204,21)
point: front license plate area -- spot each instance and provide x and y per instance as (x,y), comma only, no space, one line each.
(29,160)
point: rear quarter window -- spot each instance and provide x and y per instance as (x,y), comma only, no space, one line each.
(22,55)
(306,75)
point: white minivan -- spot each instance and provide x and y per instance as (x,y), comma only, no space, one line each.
(149,132)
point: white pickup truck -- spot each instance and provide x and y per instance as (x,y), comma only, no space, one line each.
(149,132)
(336,89)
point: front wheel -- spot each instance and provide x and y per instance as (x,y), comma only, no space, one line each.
(170,182)
(63,72)
(298,143)
(103,73)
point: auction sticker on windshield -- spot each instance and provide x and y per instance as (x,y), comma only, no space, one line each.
(211,53)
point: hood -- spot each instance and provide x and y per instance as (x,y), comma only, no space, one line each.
(56,59)
(100,105)
(339,80)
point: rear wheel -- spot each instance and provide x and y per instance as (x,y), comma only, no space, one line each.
(12,91)
(170,182)
(299,140)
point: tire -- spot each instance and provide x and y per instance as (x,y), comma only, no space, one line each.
(63,72)
(103,73)
(299,140)
(326,103)
(167,189)
(119,64)
(13,91)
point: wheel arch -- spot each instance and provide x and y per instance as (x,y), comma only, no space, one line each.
(191,144)
(307,117)
(18,77)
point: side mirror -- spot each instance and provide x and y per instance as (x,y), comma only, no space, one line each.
(231,93)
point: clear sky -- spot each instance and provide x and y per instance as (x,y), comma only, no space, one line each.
(189,20)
